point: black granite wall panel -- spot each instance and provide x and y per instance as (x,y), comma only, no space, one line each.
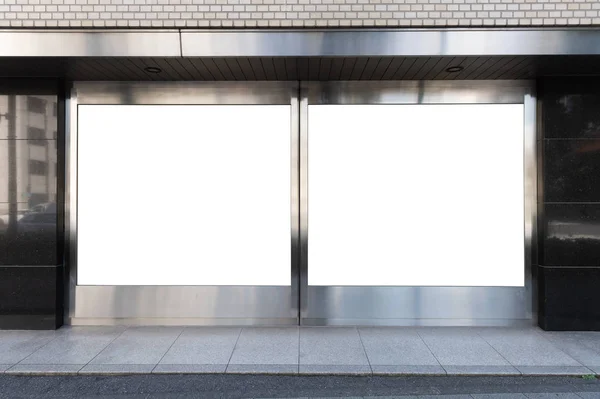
(569,272)
(31,271)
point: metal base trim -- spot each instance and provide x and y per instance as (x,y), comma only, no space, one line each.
(169,321)
(420,322)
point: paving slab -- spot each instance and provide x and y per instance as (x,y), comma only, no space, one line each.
(45,369)
(460,347)
(407,370)
(552,396)
(266,346)
(189,368)
(334,369)
(481,370)
(526,348)
(579,346)
(499,396)
(117,369)
(139,345)
(332,346)
(76,345)
(554,370)
(262,368)
(203,345)
(17,345)
(393,346)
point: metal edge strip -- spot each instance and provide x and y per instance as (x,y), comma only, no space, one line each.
(299,43)
(386,42)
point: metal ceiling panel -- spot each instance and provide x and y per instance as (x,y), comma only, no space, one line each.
(305,69)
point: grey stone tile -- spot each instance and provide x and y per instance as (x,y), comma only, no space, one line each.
(203,345)
(77,345)
(589,395)
(189,368)
(262,368)
(567,395)
(396,346)
(595,369)
(117,369)
(45,369)
(481,370)
(408,370)
(267,346)
(140,345)
(553,370)
(334,369)
(526,347)
(444,397)
(460,347)
(331,346)
(4,367)
(498,396)
(17,345)
(575,347)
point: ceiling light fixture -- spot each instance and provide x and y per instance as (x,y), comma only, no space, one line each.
(454,69)
(152,69)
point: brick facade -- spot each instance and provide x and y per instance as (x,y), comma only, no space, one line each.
(296,13)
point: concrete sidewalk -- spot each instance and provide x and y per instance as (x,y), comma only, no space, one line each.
(300,350)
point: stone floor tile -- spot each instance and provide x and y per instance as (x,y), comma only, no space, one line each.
(262,368)
(499,396)
(460,347)
(445,397)
(334,369)
(140,345)
(552,396)
(45,369)
(189,368)
(4,367)
(589,395)
(481,370)
(575,345)
(407,370)
(117,369)
(74,346)
(331,346)
(203,345)
(277,345)
(554,370)
(395,346)
(17,345)
(526,348)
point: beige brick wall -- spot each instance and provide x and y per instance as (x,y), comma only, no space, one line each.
(296,13)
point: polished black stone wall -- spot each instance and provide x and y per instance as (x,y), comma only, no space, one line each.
(569,204)
(31,203)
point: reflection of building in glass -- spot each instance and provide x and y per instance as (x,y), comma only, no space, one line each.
(35,153)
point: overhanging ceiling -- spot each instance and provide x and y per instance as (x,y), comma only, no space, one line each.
(299,54)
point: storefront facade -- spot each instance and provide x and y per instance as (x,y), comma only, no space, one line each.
(316,177)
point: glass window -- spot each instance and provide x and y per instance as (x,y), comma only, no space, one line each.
(416,195)
(183,195)
(36,105)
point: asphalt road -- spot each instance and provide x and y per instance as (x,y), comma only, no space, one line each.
(271,386)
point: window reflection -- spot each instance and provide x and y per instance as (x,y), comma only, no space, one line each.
(28,211)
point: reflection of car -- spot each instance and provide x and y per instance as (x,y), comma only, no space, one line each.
(48,208)
(5,218)
(37,223)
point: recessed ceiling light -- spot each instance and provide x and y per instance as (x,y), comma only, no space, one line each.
(454,69)
(152,69)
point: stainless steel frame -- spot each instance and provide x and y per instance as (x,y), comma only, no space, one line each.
(349,305)
(200,305)
(299,43)
(301,303)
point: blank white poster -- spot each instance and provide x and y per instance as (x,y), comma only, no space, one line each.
(415,195)
(183,195)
